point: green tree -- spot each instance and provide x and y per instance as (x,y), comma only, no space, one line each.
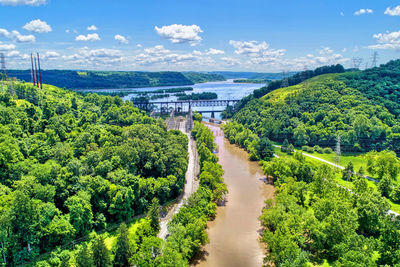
(101,255)
(80,212)
(123,252)
(154,215)
(84,257)
(348,172)
(265,150)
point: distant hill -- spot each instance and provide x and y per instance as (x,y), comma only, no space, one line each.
(362,107)
(72,79)
(251,75)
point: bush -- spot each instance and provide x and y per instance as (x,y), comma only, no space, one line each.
(328,150)
(318,149)
(307,149)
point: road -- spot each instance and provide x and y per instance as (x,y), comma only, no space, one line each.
(340,167)
(191,183)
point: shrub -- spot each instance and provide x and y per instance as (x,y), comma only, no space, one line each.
(328,150)
(318,149)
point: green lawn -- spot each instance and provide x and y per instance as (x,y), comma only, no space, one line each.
(357,159)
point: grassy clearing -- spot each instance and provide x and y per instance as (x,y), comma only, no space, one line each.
(358,161)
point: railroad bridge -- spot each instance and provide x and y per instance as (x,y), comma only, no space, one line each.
(181,106)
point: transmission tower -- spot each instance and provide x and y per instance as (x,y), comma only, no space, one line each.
(366,65)
(285,80)
(3,65)
(357,62)
(374,59)
(338,150)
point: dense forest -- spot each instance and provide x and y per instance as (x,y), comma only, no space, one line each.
(314,220)
(71,79)
(360,107)
(71,164)
(186,229)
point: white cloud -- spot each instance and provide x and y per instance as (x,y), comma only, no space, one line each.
(23,38)
(121,39)
(363,11)
(51,55)
(67,30)
(17,55)
(356,48)
(344,50)
(95,57)
(258,53)
(6,47)
(160,56)
(22,2)
(88,38)
(231,61)
(393,11)
(17,36)
(388,40)
(5,33)
(37,26)
(251,48)
(342,14)
(139,45)
(178,33)
(325,51)
(92,28)
(213,51)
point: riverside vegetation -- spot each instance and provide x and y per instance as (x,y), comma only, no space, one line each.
(314,220)
(72,165)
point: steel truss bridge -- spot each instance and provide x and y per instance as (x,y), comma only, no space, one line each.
(185,105)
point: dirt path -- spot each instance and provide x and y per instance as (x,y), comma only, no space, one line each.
(191,183)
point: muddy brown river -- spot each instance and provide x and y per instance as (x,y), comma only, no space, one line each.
(234,234)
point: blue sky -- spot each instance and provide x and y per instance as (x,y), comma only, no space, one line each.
(206,35)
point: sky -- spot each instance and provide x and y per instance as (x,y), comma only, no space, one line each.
(198,35)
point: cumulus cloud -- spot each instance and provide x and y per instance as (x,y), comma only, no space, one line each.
(258,53)
(121,39)
(178,33)
(6,47)
(231,61)
(92,57)
(17,55)
(92,28)
(22,2)
(37,26)
(51,55)
(213,51)
(5,33)
(23,38)
(395,11)
(363,11)
(91,37)
(388,40)
(17,36)
(325,51)
(160,56)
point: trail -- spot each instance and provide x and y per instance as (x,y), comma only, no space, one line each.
(191,182)
(340,167)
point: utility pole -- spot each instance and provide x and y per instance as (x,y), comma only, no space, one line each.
(338,150)
(3,65)
(374,59)
(33,72)
(40,72)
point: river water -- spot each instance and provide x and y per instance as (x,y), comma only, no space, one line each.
(234,234)
(226,90)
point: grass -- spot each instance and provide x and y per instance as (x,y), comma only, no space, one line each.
(358,161)
(111,237)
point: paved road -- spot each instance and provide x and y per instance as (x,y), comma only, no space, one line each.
(340,167)
(191,184)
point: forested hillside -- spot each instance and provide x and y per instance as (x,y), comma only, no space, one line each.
(70,164)
(71,79)
(360,107)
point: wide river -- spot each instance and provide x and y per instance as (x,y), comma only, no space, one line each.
(234,234)
(225,90)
